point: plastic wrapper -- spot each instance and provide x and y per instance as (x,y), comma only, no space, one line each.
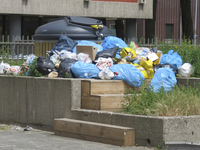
(133,46)
(30,58)
(106,74)
(55,58)
(185,70)
(103,63)
(13,70)
(164,77)
(84,70)
(66,54)
(84,58)
(128,73)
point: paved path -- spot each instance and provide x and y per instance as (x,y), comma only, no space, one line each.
(38,139)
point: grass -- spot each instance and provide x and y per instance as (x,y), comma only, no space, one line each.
(182,101)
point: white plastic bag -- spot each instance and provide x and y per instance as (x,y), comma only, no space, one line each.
(106,74)
(103,63)
(13,70)
(54,58)
(186,70)
(66,54)
(3,66)
(84,58)
(30,58)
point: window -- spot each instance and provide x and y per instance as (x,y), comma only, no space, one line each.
(169,31)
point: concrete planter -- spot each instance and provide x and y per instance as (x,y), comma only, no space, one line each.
(32,100)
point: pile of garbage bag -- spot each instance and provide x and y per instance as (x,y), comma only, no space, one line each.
(114,60)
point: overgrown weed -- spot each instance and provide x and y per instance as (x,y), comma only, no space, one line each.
(182,101)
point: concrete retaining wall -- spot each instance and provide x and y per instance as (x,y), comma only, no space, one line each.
(149,131)
(37,100)
(40,100)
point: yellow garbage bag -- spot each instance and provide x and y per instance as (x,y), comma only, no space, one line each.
(141,69)
(128,53)
(147,64)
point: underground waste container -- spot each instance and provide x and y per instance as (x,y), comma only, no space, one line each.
(76,28)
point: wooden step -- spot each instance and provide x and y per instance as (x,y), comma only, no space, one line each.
(95,87)
(97,132)
(106,102)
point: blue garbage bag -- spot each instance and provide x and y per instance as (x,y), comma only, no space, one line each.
(64,43)
(128,73)
(112,41)
(88,43)
(163,77)
(171,58)
(84,70)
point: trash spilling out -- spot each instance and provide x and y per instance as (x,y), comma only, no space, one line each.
(113,59)
(18,128)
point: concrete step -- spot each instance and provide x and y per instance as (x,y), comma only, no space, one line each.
(97,132)
(105,102)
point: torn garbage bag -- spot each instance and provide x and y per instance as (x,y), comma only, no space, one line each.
(108,53)
(128,73)
(84,70)
(88,43)
(164,77)
(171,58)
(64,43)
(45,66)
(112,41)
(64,69)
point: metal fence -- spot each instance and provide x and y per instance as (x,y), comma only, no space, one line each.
(17,46)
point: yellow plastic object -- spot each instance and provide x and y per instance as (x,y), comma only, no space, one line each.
(128,53)
(159,54)
(141,69)
(58,64)
(146,63)
(150,73)
(97,26)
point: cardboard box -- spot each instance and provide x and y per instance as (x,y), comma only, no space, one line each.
(90,50)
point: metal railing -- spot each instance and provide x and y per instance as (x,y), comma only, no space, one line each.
(18,46)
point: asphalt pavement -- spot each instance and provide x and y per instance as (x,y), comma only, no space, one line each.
(43,138)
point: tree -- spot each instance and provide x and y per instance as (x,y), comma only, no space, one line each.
(187,23)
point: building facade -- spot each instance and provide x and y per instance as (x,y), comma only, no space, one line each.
(168,24)
(22,17)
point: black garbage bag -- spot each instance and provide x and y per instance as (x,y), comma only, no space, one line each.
(64,43)
(45,66)
(107,53)
(156,67)
(65,67)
